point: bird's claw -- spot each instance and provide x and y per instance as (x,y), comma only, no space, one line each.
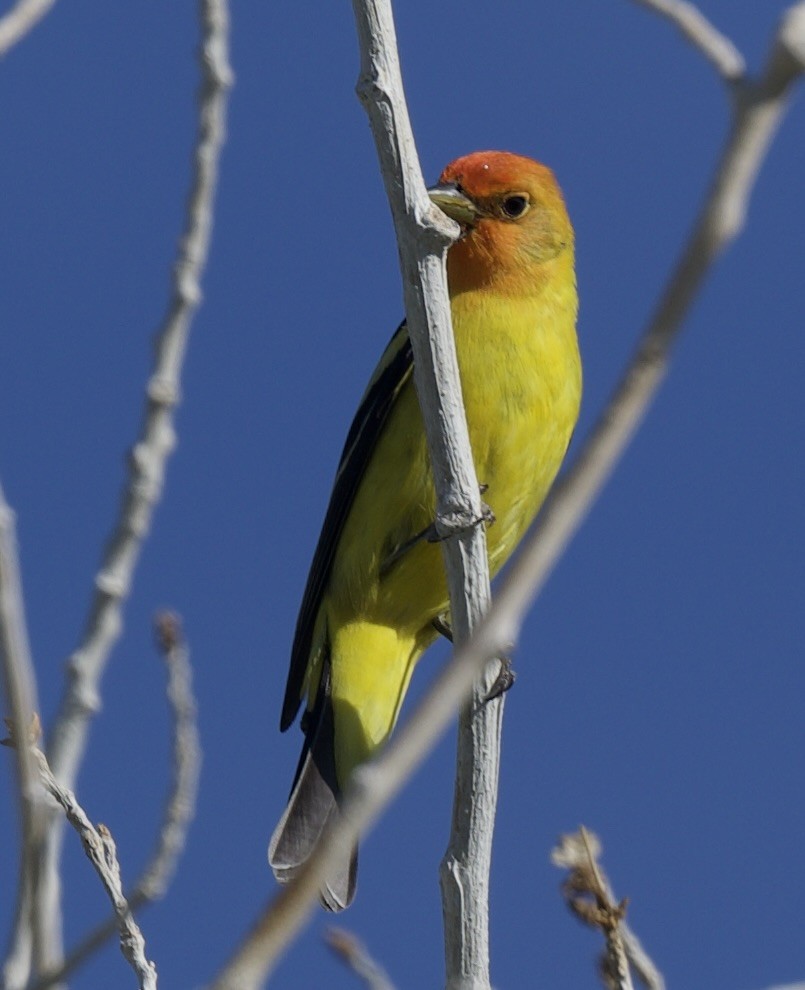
(487,515)
(442,626)
(429,534)
(504,680)
(457,525)
(505,676)
(453,526)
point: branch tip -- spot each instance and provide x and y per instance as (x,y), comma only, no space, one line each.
(790,39)
(354,954)
(714,46)
(168,631)
(589,897)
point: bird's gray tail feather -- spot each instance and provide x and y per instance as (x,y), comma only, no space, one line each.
(312,805)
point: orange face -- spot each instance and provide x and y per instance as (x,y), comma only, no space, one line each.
(513,219)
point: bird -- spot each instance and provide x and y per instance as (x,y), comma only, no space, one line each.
(376,595)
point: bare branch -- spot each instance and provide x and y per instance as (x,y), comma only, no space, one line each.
(694,26)
(354,954)
(464,874)
(157,438)
(375,784)
(19,690)
(180,806)
(787,60)
(640,960)
(100,848)
(20,20)
(589,896)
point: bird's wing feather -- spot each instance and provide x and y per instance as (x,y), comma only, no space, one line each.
(392,373)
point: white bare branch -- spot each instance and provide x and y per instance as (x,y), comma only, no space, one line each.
(354,954)
(157,438)
(179,807)
(21,705)
(100,848)
(15,24)
(181,804)
(465,870)
(694,26)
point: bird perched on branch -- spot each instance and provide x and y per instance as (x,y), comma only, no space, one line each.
(377,594)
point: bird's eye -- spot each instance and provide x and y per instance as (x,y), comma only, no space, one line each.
(515,206)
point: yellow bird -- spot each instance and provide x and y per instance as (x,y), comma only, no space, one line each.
(376,594)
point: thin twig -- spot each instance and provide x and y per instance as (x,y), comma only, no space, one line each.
(181,803)
(354,954)
(15,24)
(157,438)
(702,35)
(590,897)
(375,784)
(19,691)
(100,848)
(640,960)
(150,453)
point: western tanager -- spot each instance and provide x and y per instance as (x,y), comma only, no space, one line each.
(376,590)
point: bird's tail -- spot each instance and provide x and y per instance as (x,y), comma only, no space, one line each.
(312,805)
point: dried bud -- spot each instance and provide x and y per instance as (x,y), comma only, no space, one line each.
(168,629)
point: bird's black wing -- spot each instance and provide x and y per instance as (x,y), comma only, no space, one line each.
(391,375)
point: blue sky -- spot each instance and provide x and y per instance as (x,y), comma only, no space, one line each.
(661,675)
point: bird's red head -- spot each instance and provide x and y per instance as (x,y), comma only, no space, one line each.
(513,218)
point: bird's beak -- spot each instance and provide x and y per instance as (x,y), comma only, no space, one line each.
(454,203)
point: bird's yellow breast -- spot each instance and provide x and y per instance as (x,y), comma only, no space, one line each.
(521,383)
(522,388)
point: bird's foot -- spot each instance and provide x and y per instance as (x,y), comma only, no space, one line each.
(505,676)
(442,529)
(458,523)
(399,552)
(504,680)
(442,626)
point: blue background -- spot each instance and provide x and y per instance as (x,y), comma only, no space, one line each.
(661,673)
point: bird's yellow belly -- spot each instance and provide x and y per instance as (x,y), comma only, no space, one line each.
(519,432)
(380,607)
